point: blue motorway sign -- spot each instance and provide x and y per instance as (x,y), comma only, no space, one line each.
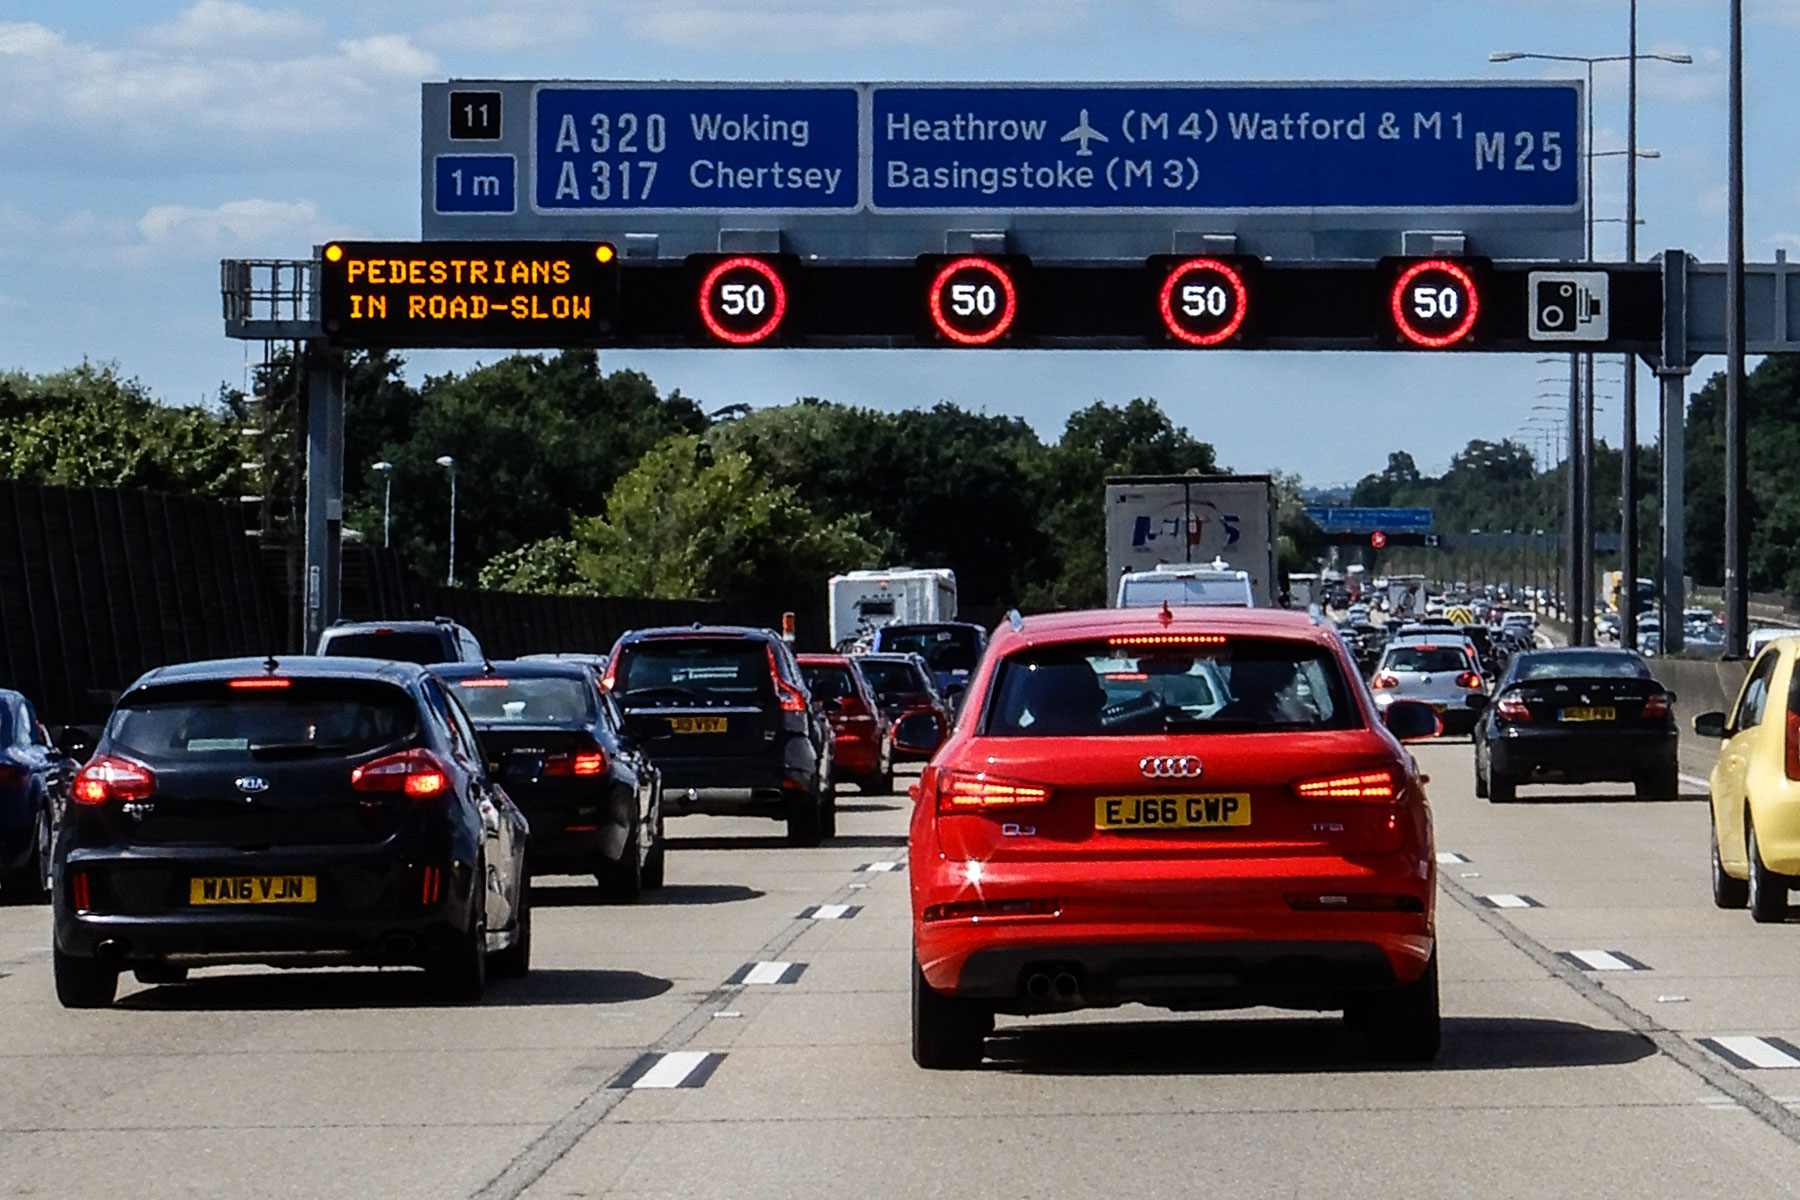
(1261,146)
(1336,519)
(608,149)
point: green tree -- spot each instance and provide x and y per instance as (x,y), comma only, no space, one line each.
(90,427)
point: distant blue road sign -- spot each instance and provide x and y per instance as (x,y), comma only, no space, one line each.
(1334,519)
(606,149)
(476,183)
(1346,146)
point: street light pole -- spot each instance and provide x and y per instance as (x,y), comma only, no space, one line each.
(387,500)
(449,464)
(1737,600)
(1628,530)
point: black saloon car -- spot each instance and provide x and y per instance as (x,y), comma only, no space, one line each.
(309,811)
(557,743)
(724,713)
(34,779)
(1577,715)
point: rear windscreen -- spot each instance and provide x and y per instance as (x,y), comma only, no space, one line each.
(735,671)
(1237,685)
(1180,591)
(1599,664)
(1427,659)
(544,700)
(945,649)
(891,678)
(827,682)
(421,648)
(215,723)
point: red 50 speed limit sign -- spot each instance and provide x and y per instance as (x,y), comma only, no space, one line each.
(1435,303)
(742,301)
(1204,302)
(973,301)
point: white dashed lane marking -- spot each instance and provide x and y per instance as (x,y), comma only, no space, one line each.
(1755,1053)
(1450,858)
(1602,960)
(1507,900)
(881,866)
(830,912)
(678,1069)
(768,972)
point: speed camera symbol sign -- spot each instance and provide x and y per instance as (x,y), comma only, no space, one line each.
(1569,306)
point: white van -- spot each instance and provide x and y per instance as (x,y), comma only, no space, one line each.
(1180,585)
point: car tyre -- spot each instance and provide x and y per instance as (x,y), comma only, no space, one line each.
(622,882)
(514,962)
(1727,892)
(1501,789)
(1664,785)
(805,820)
(83,982)
(1404,1025)
(947,1031)
(656,861)
(30,882)
(157,973)
(1481,783)
(1768,891)
(460,970)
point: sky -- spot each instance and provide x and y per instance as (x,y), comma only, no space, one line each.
(141,141)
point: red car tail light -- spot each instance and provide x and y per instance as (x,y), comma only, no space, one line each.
(1167,639)
(416,773)
(792,698)
(1383,681)
(486,681)
(610,678)
(579,762)
(1511,708)
(965,791)
(80,892)
(1363,785)
(1470,680)
(109,777)
(1657,706)
(1793,745)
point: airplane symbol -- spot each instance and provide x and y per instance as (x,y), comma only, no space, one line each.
(1084,133)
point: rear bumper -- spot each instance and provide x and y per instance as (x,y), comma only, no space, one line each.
(730,785)
(1564,756)
(369,910)
(856,754)
(1775,809)
(1165,933)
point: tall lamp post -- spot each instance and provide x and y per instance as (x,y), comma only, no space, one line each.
(1581,412)
(449,464)
(387,499)
(1737,561)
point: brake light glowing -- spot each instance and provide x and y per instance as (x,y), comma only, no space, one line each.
(1383,681)
(961,791)
(78,884)
(484,683)
(792,698)
(1167,639)
(1658,706)
(1366,785)
(1512,708)
(1793,744)
(109,777)
(416,773)
(261,684)
(584,762)
(1470,680)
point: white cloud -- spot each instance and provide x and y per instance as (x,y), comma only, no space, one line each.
(212,24)
(241,227)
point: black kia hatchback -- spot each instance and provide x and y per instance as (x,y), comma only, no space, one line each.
(558,743)
(310,811)
(725,714)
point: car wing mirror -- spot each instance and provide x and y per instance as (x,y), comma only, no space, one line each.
(1710,725)
(917,734)
(74,742)
(1412,721)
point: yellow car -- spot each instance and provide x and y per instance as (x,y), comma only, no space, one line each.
(1756,787)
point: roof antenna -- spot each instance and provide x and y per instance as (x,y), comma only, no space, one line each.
(1165,616)
(269,663)
(487,665)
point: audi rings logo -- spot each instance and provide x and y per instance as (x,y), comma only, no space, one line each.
(1170,766)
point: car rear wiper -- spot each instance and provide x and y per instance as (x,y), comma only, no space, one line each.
(296,749)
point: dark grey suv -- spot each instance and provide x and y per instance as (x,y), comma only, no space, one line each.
(427,643)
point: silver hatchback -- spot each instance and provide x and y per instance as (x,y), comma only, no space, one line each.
(1444,674)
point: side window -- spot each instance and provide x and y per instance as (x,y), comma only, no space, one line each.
(31,729)
(1755,697)
(450,715)
(609,715)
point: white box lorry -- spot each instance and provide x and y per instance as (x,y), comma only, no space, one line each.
(863,601)
(1156,519)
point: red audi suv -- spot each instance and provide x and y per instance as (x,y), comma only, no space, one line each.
(1195,808)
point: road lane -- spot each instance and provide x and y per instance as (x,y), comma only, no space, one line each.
(347,1083)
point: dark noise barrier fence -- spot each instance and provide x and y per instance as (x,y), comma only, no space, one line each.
(98,585)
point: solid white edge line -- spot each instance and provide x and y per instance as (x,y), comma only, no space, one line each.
(671,1069)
